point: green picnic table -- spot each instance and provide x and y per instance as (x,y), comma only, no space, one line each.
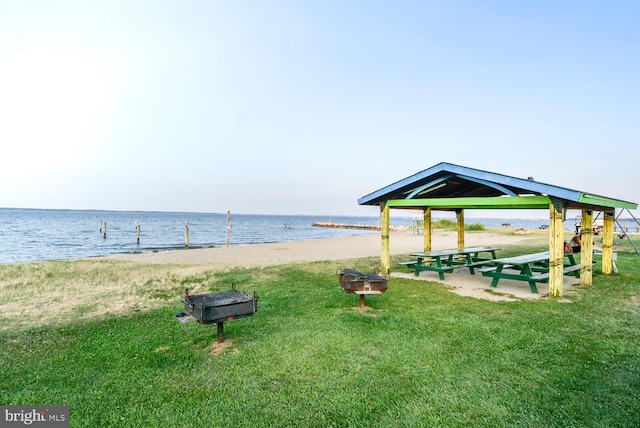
(445,261)
(532,268)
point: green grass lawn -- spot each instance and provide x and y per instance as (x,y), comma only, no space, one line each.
(422,356)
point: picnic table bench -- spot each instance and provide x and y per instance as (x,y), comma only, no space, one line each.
(533,268)
(445,261)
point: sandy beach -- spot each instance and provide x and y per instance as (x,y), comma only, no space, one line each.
(400,242)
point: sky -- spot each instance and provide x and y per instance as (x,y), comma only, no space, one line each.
(302,107)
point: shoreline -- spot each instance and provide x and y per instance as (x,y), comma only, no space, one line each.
(349,247)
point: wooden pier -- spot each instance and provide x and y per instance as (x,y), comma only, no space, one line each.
(356,226)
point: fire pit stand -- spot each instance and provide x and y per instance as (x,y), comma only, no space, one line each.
(218,307)
(356,282)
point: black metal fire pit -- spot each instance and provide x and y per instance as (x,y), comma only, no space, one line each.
(356,282)
(218,307)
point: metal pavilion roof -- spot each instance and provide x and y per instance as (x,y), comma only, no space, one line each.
(446,186)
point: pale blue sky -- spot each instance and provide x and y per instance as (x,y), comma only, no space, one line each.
(302,107)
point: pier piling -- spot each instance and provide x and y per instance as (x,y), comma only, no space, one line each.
(229,225)
(186,234)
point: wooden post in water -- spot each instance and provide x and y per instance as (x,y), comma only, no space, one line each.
(100,225)
(186,234)
(104,229)
(229,225)
(137,232)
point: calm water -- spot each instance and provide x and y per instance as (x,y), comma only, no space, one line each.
(31,235)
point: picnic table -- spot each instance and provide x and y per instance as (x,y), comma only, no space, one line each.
(532,268)
(445,261)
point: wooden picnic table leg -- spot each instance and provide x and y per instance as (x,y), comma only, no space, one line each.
(439,264)
(526,270)
(496,278)
(470,261)
(417,266)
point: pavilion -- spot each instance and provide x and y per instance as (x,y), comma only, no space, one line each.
(449,187)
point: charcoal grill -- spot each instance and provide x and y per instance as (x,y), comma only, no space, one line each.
(356,282)
(209,308)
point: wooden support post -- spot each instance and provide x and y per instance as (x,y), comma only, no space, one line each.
(586,248)
(100,225)
(104,230)
(385,256)
(186,234)
(230,225)
(607,242)
(460,216)
(556,249)
(427,230)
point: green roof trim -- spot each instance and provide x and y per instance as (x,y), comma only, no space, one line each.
(496,202)
(586,198)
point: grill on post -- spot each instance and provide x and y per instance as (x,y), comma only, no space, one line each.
(356,282)
(218,307)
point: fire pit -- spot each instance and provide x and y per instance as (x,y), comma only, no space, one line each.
(218,307)
(356,282)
